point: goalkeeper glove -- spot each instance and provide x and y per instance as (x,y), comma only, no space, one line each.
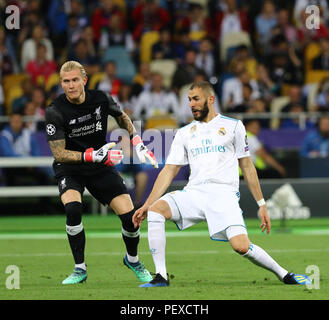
(142,152)
(103,155)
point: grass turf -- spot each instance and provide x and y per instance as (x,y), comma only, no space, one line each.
(200,269)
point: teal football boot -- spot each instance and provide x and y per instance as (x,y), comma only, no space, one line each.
(78,276)
(139,269)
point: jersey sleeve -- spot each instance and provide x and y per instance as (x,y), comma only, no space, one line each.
(54,124)
(114,108)
(241,141)
(177,154)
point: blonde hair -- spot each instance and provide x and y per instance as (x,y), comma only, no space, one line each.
(71,65)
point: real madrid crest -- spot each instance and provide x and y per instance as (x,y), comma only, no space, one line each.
(222,132)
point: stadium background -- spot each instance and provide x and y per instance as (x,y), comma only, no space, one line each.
(261,63)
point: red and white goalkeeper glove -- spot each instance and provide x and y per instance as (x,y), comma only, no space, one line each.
(142,152)
(104,155)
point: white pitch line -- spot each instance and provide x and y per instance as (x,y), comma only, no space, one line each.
(193,252)
(117,235)
(92,235)
(59,254)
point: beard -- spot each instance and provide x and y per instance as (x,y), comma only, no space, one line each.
(203,113)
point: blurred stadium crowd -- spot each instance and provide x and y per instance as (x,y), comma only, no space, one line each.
(261,57)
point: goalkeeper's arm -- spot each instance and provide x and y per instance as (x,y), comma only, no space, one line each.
(62,155)
(103,155)
(142,151)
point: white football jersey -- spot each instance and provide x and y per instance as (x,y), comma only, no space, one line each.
(212,150)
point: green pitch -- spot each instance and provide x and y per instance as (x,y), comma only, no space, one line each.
(200,269)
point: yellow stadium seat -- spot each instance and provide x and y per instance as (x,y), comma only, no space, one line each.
(161,122)
(315,76)
(311,51)
(276,105)
(13,80)
(13,93)
(166,68)
(95,79)
(12,88)
(121,5)
(148,39)
(52,81)
(285,89)
(197,35)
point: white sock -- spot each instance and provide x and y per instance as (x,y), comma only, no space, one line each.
(157,241)
(81,266)
(132,259)
(259,257)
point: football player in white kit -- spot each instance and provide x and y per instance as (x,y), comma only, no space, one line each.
(214,146)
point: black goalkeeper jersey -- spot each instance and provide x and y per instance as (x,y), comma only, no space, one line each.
(82,125)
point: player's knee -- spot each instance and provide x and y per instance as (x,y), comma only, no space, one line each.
(73,212)
(127,224)
(161,207)
(241,249)
(240,244)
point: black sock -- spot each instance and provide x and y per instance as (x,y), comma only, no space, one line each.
(130,234)
(77,244)
(75,231)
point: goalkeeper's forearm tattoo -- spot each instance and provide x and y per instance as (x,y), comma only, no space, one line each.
(125,122)
(62,155)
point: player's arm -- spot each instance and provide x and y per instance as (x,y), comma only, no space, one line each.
(125,122)
(62,155)
(163,181)
(142,151)
(250,175)
(56,138)
(103,155)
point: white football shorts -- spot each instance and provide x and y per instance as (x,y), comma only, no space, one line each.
(216,204)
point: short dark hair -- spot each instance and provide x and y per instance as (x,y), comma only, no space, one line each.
(204,86)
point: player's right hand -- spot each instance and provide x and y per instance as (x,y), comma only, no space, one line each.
(139,216)
(265,219)
(104,155)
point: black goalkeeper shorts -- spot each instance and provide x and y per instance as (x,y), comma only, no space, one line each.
(104,185)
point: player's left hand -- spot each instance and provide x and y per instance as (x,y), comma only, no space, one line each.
(104,155)
(143,153)
(139,216)
(265,219)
